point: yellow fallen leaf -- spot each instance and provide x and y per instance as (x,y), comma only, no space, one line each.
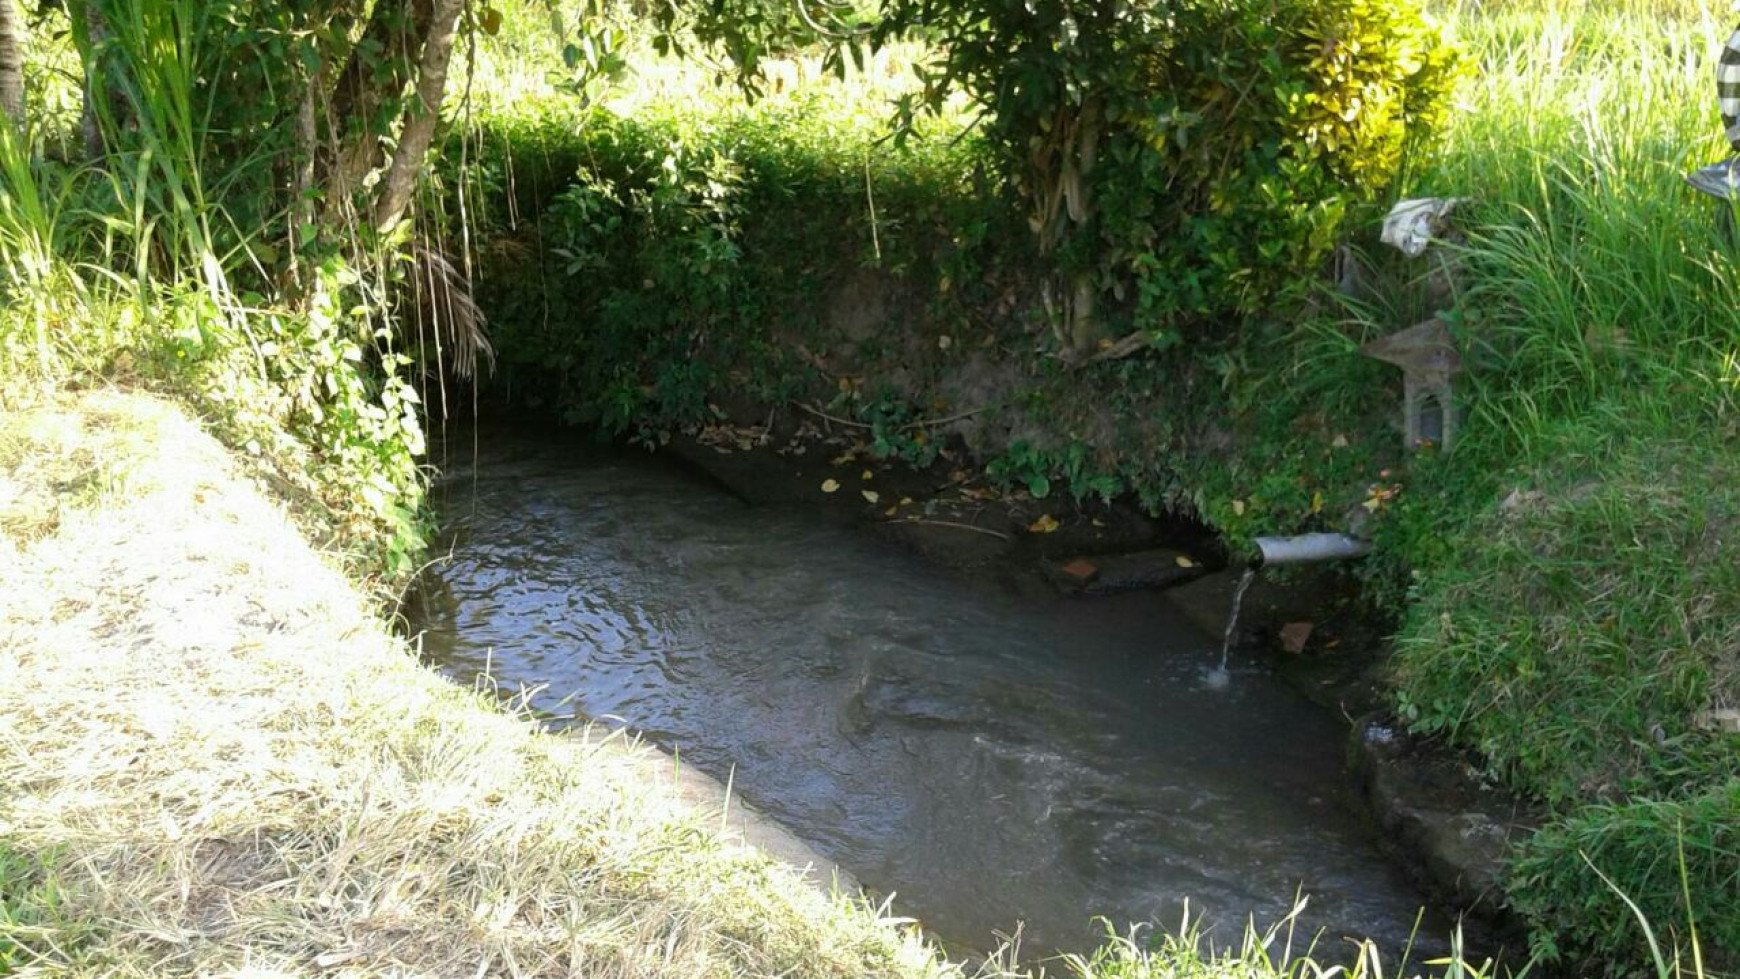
(866,474)
(1238,508)
(1044,525)
(1317,502)
(1340,442)
(906,501)
(891,511)
(871,495)
(1184,561)
(830,485)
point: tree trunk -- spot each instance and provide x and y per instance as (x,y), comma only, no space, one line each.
(1061,164)
(11,63)
(424,115)
(396,33)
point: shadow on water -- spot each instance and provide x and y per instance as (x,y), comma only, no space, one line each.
(990,758)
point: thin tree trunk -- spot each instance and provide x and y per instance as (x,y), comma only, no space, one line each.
(98,86)
(302,209)
(11,63)
(424,115)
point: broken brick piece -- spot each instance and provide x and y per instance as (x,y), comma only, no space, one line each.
(1294,636)
(1082,570)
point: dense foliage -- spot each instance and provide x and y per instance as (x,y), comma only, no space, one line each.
(1188,161)
(223,217)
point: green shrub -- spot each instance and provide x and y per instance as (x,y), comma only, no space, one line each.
(1205,155)
(671,270)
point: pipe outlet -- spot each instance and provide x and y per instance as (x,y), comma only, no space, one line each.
(1308,549)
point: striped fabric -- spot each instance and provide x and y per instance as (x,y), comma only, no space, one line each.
(1728,88)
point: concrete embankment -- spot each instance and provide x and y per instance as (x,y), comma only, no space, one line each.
(222,762)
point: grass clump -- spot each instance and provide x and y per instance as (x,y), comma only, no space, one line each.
(1577,593)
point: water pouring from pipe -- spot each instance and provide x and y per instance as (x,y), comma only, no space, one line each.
(1300,549)
(1220,677)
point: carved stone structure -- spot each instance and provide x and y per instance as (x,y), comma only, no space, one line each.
(1427,355)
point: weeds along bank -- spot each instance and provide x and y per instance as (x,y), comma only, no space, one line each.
(160,242)
(1564,582)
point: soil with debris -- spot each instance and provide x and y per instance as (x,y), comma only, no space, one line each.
(949,512)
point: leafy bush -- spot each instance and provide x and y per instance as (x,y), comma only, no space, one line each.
(1204,154)
(671,270)
(117,271)
(1193,159)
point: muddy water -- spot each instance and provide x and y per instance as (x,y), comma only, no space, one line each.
(990,758)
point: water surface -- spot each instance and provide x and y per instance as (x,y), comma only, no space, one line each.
(989,757)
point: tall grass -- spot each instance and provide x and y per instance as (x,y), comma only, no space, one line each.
(1593,262)
(1579,607)
(81,243)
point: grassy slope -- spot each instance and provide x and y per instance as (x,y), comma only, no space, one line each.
(225,762)
(1580,606)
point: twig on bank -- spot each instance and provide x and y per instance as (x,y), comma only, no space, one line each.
(958,526)
(935,422)
(836,419)
(1130,344)
(908,427)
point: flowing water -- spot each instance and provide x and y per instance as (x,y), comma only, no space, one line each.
(1220,677)
(989,757)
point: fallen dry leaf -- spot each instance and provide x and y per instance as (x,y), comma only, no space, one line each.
(1044,525)
(1294,636)
(830,486)
(871,496)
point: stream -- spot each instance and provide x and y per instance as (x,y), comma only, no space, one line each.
(990,758)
